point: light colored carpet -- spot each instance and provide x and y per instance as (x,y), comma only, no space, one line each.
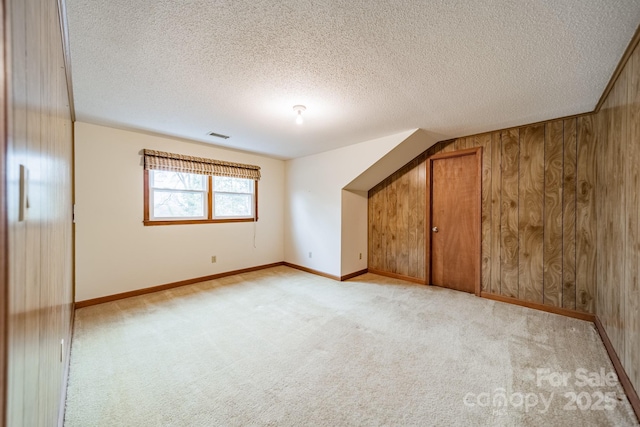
(283,347)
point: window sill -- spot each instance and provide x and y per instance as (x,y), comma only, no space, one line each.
(198,221)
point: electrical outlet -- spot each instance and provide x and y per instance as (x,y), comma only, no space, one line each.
(61,350)
(360,255)
(310,255)
(213,259)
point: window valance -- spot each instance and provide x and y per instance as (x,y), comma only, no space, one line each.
(160,160)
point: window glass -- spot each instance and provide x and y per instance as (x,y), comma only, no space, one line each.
(178,180)
(232,185)
(169,204)
(232,205)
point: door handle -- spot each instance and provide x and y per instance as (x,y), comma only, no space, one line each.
(434,229)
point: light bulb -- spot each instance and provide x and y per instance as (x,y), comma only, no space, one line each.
(299,109)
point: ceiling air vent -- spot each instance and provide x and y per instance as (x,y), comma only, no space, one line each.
(218,135)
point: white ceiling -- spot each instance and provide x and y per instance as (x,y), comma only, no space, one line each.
(364,69)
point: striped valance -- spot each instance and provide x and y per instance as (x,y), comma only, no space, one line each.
(160,160)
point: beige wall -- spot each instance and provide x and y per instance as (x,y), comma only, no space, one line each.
(302,208)
(353,256)
(314,213)
(115,253)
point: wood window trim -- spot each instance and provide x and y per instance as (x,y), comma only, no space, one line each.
(209,220)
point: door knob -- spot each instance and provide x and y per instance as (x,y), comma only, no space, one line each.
(434,229)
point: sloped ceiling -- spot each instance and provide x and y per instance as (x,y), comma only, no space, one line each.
(364,69)
(401,154)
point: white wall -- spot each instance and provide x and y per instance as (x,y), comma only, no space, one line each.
(115,253)
(314,211)
(354,237)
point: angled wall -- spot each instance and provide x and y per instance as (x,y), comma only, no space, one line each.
(313,207)
(320,208)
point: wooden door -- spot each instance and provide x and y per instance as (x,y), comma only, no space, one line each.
(455,219)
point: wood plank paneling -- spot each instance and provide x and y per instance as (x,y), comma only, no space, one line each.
(391,209)
(34,65)
(384,231)
(608,294)
(615,214)
(4,238)
(509,254)
(380,217)
(531,213)
(460,144)
(40,245)
(538,213)
(617,207)
(374,238)
(421,208)
(412,222)
(604,253)
(402,219)
(496,209)
(397,223)
(447,146)
(553,204)
(528,213)
(569,215)
(586,215)
(631,359)
(484,141)
(621,218)
(16,155)
(600,126)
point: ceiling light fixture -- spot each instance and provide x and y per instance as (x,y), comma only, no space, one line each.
(299,109)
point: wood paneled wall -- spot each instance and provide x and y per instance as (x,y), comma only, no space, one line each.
(617,129)
(39,136)
(397,223)
(4,237)
(538,214)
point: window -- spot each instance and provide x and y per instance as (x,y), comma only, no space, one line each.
(177,195)
(232,197)
(180,196)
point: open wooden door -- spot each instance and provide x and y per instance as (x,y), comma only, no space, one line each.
(455,209)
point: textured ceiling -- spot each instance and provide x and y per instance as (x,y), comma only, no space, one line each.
(364,69)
